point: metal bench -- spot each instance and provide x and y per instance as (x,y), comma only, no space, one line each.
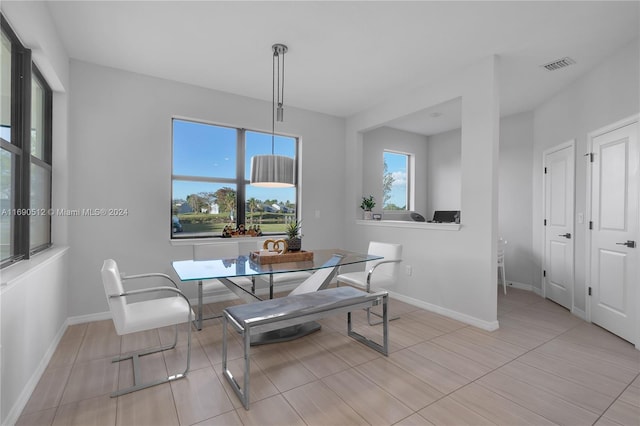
(266,316)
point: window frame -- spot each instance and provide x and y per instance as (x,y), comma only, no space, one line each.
(20,147)
(46,161)
(239,181)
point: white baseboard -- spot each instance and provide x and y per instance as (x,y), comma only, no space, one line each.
(31,384)
(536,290)
(579,313)
(81,319)
(218,295)
(467,319)
(520,286)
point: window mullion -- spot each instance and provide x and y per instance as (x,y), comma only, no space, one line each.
(203,179)
(240,172)
(23,136)
(191,141)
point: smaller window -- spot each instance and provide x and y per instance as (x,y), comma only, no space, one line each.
(395,187)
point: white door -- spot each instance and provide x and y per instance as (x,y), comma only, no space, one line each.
(614,238)
(558,217)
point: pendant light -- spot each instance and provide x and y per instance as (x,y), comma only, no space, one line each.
(274,171)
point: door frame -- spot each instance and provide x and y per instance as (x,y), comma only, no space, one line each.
(590,137)
(568,144)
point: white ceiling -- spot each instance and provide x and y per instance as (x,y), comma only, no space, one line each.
(345,57)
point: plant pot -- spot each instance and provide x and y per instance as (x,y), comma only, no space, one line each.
(294,244)
(368,215)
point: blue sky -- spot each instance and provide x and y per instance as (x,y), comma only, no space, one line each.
(397,166)
(210,151)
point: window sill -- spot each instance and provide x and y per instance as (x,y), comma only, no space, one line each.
(411,225)
(20,269)
(219,240)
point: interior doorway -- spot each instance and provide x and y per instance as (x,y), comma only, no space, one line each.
(559,190)
(614,221)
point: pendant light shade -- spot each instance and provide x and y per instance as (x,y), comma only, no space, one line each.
(272,171)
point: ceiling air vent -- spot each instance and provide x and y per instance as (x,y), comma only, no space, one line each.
(560,63)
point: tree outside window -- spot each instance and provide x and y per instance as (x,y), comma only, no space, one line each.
(395,191)
(211,191)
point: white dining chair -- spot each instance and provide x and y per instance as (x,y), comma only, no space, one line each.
(133,316)
(501,271)
(377,274)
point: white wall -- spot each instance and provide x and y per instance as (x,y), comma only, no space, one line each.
(515,189)
(120,157)
(34,313)
(438,280)
(34,294)
(375,142)
(444,175)
(443,186)
(608,93)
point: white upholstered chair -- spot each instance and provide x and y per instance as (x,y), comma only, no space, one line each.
(377,273)
(501,271)
(133,316)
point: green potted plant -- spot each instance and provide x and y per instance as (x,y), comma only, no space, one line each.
(368,203)
(294,237)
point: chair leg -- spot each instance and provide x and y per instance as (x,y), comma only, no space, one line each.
(136,367)
(504,280)
(369,312)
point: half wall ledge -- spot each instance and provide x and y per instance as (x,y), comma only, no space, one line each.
(411,225)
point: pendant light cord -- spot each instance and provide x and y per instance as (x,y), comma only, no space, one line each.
(281,89)
(277,86)
(273,102)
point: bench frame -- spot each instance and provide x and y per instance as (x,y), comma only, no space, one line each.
(265,323)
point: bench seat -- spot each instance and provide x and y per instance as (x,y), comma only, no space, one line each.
(275,314)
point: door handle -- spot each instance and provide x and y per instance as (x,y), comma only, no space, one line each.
(567,235)
(629,243)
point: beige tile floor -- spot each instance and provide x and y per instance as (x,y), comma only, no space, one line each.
(543,366)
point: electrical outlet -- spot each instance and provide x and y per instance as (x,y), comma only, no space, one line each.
(408,270)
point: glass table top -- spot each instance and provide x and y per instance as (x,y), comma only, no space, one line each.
(243,265)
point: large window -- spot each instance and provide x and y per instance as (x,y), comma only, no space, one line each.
(210,182)
(25,153)
(395,188)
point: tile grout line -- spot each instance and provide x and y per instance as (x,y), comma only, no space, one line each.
(497,368)
(73,364)
(557,337)
(617,398)
(546,390)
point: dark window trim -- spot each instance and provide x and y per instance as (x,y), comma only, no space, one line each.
(240,173)
(45,163)
(22,71)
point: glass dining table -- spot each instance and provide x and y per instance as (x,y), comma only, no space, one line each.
(225,269)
